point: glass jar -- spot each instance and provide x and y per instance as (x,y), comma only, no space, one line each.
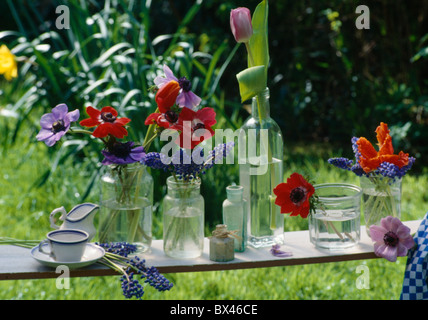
(235,215)
(381,198)
(260,171)
(183,219)
(335,224)
(126,206)
(221,245)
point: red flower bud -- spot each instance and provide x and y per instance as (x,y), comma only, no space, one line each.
(167,96)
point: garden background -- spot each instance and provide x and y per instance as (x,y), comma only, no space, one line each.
(329,81)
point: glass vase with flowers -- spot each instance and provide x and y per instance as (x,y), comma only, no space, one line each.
(180,118)
(126,187)
(381,173)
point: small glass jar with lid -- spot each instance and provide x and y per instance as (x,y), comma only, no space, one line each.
(221,244)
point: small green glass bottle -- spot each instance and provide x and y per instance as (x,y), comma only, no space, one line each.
(235,215)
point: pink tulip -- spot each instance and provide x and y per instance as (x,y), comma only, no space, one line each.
(240,23)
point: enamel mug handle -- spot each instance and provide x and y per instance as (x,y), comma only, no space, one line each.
(52,216)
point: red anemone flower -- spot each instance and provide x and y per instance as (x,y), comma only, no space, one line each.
(294,195)
(195,126)
(106,122)
(371,159)
(165,120)
(165,99)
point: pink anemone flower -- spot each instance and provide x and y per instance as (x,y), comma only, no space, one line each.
(392,239)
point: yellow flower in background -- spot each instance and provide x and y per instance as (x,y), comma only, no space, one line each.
(8,66)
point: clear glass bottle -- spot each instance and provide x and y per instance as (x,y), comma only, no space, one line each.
(183,219)
(260,171)
(336,222)
(235,215)
(221,245)
(126,206)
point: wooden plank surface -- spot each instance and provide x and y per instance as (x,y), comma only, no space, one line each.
(17,262)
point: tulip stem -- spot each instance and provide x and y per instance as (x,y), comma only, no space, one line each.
(250,54)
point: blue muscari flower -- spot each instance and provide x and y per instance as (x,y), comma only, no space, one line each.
(408,166)
(342,163)
(392,171)
(120,248)
(135,271)
(131,287)
(355,149)
(152,275)
(356,168)
(218,153)
(188,166)
(388,170)
(156,160)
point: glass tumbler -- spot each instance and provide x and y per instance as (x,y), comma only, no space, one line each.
(335,224)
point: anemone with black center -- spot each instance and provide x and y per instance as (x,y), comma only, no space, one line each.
(58,126)
(120,150)
(199,125)
(171,116)
(185,84)
(108,117)
(297,195)
(391,239)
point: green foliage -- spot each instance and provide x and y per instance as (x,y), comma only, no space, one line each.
(109,57)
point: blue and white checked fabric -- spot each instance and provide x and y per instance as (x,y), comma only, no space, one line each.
(415,276)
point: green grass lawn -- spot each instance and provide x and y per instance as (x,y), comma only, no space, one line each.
(25,212)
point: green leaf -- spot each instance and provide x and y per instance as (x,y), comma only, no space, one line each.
(252,81)
(422,53)
(258,43)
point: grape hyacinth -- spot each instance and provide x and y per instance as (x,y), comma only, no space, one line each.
(156,160)
(120,248)
(347,164)
(187,166)
(152,275)
(219,153)
(133,270)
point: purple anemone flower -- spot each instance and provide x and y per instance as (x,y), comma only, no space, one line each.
(186,98)
(123,153)
(56,124)
(392,239)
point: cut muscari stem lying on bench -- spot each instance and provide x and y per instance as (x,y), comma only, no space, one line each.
(116,257)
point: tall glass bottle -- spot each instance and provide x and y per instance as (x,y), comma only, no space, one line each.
(260,171)
(235,215)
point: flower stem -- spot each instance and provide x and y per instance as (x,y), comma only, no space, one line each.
(150,136)
(80,131)
(250,54)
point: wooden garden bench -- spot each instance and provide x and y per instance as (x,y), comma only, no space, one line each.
(17,262)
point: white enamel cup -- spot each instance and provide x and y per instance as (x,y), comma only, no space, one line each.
(67,245)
